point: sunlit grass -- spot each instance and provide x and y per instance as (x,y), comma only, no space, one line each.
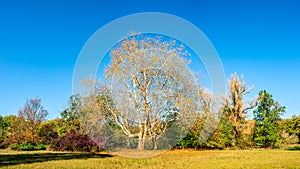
(181,159)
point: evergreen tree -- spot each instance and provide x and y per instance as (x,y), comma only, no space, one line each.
(267,116)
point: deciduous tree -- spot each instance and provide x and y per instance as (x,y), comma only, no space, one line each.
(33,114)
(236,108)
(150,89)
(48,131)
(291,126)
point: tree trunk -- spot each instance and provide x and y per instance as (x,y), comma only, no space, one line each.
(235,135)
(141,145)
(154,144)
(32,135)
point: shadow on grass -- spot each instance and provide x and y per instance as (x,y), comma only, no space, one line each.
(13,159)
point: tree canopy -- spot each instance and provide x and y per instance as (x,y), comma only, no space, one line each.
(267,116)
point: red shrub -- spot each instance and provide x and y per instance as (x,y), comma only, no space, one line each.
(74,141)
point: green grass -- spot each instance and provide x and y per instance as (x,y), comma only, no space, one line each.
(172,159)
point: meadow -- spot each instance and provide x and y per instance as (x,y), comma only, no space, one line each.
(171,159)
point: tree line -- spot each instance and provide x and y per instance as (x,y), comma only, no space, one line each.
(266,130)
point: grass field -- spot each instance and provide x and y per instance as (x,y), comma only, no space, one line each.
(172,159)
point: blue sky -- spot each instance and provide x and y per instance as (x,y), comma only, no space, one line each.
(40,41)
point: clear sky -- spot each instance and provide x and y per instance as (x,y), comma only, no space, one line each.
(40,41)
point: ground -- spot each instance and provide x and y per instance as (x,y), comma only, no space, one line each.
(172,159)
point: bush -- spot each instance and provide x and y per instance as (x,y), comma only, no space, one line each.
(295,148)
(5,144)
(14,146)
(287,139)
(27,147)
(41,147)
(74,141)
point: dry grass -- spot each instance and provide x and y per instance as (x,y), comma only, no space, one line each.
(184,159)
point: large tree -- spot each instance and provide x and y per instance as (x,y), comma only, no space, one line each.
(236,108)
(33,114)
(267,116)
(150,89)
(15,129)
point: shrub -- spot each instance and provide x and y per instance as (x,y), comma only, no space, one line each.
(295,148)
(27,147)
(14,146)
(287,139)
(74,141)
(5,144)
(41,147)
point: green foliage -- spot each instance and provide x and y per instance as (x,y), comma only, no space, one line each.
(71,114)
(291,126)
(189,141)
(3,128)
(267,116)
(48,131)
(222,137)
(27,147)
